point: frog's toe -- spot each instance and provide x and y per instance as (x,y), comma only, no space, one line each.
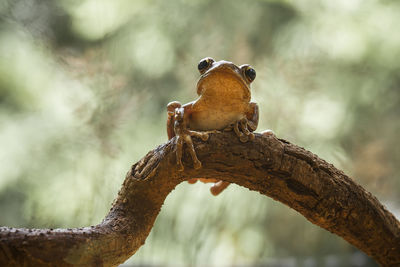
(180,167)
(204,136)
(197,165)
(243,138)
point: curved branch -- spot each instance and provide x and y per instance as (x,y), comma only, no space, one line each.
(273,167)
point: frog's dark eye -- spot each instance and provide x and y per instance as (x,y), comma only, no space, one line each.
(204,64)
(250,73)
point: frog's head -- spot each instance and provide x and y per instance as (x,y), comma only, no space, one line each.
(225,79)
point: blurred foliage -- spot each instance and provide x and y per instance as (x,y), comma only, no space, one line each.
(83,90)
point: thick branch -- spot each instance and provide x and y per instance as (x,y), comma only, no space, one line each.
(273,167)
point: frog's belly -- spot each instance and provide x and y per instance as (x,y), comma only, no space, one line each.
(213,119)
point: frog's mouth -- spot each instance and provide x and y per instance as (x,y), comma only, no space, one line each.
(224,79)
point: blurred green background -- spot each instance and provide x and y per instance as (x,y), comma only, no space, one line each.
(84,86)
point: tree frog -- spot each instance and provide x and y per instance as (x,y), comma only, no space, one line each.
(223,104)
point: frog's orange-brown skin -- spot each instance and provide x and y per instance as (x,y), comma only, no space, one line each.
(224,101)
(171,111)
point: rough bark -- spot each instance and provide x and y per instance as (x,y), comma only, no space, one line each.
(271,166)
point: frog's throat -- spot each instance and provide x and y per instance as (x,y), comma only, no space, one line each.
(222,82)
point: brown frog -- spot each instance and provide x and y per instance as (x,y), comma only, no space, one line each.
(223,104)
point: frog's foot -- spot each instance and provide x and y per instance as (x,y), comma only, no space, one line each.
(180,167)
(241,130)
(204,136)
(244,126)
(196,164)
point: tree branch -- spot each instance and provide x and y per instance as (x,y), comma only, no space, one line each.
(273,167)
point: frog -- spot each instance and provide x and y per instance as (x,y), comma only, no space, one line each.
(223,104)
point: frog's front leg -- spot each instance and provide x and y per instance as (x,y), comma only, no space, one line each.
(170,120)
(189,143)
(183,134)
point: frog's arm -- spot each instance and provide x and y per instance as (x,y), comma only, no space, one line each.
(170,120)
(171,112)
(252,117)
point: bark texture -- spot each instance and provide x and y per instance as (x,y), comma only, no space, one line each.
(271,166)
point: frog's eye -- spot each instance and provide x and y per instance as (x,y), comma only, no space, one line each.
(204,64)
(250,73)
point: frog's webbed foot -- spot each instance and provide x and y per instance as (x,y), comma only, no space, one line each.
(240,128)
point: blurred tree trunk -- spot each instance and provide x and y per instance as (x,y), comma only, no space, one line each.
(271,166)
